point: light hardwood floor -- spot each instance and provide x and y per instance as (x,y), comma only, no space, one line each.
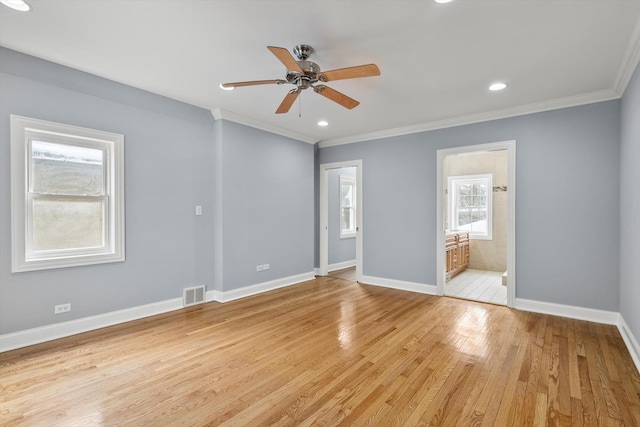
(328,352)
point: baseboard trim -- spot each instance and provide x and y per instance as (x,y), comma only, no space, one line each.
(630,341)
(226,296)
(342,265)
(46,333)
(570,311)
(400,285)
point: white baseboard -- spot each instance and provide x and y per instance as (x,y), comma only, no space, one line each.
(64,329)
(42,334)
(588,314)
(400,285)
(226,296)
(341,265)
(630,341)
(570,311)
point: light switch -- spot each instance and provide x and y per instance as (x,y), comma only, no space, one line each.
(198,210)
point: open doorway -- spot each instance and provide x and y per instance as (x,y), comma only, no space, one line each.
(476,223)
(341,219)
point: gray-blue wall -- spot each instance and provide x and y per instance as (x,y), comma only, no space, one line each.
(567,203)
(255,188)
(167,147)
(630,206)
(267,206)
(340,250)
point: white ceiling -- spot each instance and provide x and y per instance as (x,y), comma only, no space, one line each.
(436,60)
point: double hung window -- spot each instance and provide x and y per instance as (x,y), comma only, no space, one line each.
(470,205)
(347,206)
(67,195)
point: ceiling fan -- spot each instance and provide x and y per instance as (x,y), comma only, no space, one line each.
(304,74)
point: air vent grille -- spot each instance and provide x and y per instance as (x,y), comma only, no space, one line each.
(193,296)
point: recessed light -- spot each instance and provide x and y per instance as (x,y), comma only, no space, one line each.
(323,123)
(220,85)
(497,86)
(16,4)
(443,1)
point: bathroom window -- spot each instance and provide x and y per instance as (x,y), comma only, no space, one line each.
(67,195)
(347,206)
(470,205)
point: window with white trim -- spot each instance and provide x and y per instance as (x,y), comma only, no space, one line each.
(470,205)
(67,195)
(347,206)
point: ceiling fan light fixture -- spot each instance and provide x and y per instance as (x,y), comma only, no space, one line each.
(222,86)
(19,5)
(497,86)
(323,123)
(443,1)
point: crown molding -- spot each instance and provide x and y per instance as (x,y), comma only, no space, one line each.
(219,113)
(571,101)
(630,61)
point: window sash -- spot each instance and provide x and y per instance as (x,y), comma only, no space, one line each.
(471,202)
(34,254)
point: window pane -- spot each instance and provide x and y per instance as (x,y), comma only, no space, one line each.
(346,192)
(345,221)
(66,169)
(67,224)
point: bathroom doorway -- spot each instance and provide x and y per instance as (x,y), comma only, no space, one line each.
(476,223)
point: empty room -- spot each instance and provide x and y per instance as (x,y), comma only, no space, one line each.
(304,213)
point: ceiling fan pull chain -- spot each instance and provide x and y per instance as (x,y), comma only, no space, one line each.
(300,105)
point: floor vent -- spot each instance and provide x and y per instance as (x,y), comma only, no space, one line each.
(193,296)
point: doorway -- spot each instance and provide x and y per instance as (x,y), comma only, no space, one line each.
(476,222)
(344,228)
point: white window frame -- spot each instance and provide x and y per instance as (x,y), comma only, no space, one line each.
(348,180)
(24,130)
(471,179)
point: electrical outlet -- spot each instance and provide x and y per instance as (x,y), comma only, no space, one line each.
(262,267)
(62,308)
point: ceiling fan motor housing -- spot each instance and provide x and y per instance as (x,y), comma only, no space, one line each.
(309,77)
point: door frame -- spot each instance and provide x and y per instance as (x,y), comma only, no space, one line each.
(510,146)
(324,215)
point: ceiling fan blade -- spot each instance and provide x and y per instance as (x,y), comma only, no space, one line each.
(252,83)
(286,58)
(288,101)
(351,72)
(336,96)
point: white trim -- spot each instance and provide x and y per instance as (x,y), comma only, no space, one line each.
(630,341)
(64,329)
(629,63)
(421,288)
(247,291)
(570,311)
(323,268)
(556,104)
(219,113)
(441,198)
(342,265)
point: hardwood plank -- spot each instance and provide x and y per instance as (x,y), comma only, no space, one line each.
(328,352)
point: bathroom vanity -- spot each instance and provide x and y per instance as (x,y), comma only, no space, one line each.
(457,252)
